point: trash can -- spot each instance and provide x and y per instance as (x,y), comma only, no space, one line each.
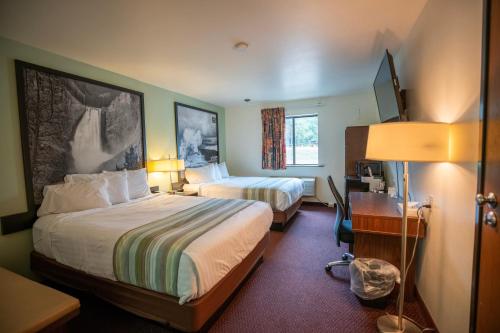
(372,280)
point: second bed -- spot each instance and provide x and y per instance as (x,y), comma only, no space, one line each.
(284,195)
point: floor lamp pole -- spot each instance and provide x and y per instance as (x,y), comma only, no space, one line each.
(404,237)
(391,323)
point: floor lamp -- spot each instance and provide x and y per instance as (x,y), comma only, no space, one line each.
(406,142)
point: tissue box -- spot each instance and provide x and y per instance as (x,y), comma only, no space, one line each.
(412,208)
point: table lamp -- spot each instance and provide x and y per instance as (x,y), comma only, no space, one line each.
(170,165)
(406,142)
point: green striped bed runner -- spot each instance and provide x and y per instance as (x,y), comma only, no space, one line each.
(266,190)
(149,256)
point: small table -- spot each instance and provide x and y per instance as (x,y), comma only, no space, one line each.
(376,223)
(28,306)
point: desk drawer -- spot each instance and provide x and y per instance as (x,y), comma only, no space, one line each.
(385,225)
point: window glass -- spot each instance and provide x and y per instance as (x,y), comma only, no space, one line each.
(302,139)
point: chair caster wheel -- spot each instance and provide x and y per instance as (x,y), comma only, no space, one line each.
(328,268)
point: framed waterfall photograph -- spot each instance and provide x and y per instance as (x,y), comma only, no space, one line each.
(197,134)
(71,124)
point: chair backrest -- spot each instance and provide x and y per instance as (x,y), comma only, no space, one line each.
(341,213)
(338,198)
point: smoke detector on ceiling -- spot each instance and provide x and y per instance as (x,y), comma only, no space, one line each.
(240,46)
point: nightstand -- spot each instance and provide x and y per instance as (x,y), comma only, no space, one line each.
(185,193)
(28,306)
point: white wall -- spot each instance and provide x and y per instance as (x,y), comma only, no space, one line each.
(440,66)
(244,136)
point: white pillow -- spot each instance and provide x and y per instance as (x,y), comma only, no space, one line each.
(79,178)
(223,170)
(117,187)
(204,174)
(138,183)
(46,188)
(117,184)
(74,196)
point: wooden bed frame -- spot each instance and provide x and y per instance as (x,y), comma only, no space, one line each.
(281,217)
(163,308)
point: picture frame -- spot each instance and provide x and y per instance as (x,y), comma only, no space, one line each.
(72,124)
(197,135)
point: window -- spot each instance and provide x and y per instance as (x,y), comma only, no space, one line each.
(301,135)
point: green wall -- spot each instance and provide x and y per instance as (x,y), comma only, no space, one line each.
(160,133)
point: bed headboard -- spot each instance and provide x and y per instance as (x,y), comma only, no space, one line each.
(70,124)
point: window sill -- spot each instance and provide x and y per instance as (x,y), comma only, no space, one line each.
(305,165)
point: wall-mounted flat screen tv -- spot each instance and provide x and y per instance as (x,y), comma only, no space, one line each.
(386,86)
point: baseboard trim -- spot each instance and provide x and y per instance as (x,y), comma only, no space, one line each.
(315,203)
(312,203)
(427,314)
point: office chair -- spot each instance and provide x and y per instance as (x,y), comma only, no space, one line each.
(342,229)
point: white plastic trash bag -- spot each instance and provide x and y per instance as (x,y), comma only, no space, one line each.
(372,278)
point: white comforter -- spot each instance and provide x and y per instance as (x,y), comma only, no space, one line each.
(85,240)
(234,187)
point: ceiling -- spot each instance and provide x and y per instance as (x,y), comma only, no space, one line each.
(298,49)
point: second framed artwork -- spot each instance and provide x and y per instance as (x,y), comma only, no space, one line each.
(197,134)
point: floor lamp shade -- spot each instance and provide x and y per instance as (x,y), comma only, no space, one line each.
(406,142)
(409,141)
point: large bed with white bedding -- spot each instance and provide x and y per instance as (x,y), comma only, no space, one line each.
(287,190)
(283,194)
(85,243)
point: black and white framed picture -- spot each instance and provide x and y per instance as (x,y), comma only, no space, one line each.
(71,124)
(197,134)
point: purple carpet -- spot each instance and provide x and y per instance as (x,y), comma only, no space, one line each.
(291,292)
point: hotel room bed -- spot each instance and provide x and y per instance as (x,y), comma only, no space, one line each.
(283,194)
(86,250)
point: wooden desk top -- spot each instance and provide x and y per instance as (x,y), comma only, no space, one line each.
(28,306)
(373,204)
(378,213)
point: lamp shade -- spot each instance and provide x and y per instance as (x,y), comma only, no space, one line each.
(180,165)
(165,165)
(408,141)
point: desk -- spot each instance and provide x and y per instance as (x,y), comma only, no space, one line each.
(376,223)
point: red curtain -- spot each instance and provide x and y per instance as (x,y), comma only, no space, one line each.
(273,138)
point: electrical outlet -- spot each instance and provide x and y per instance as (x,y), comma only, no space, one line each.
(428,201)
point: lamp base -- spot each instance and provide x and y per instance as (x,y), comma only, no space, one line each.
(389,324)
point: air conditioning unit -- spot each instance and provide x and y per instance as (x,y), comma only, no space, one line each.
(309,186)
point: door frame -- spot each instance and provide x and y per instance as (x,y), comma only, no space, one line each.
(483,116)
